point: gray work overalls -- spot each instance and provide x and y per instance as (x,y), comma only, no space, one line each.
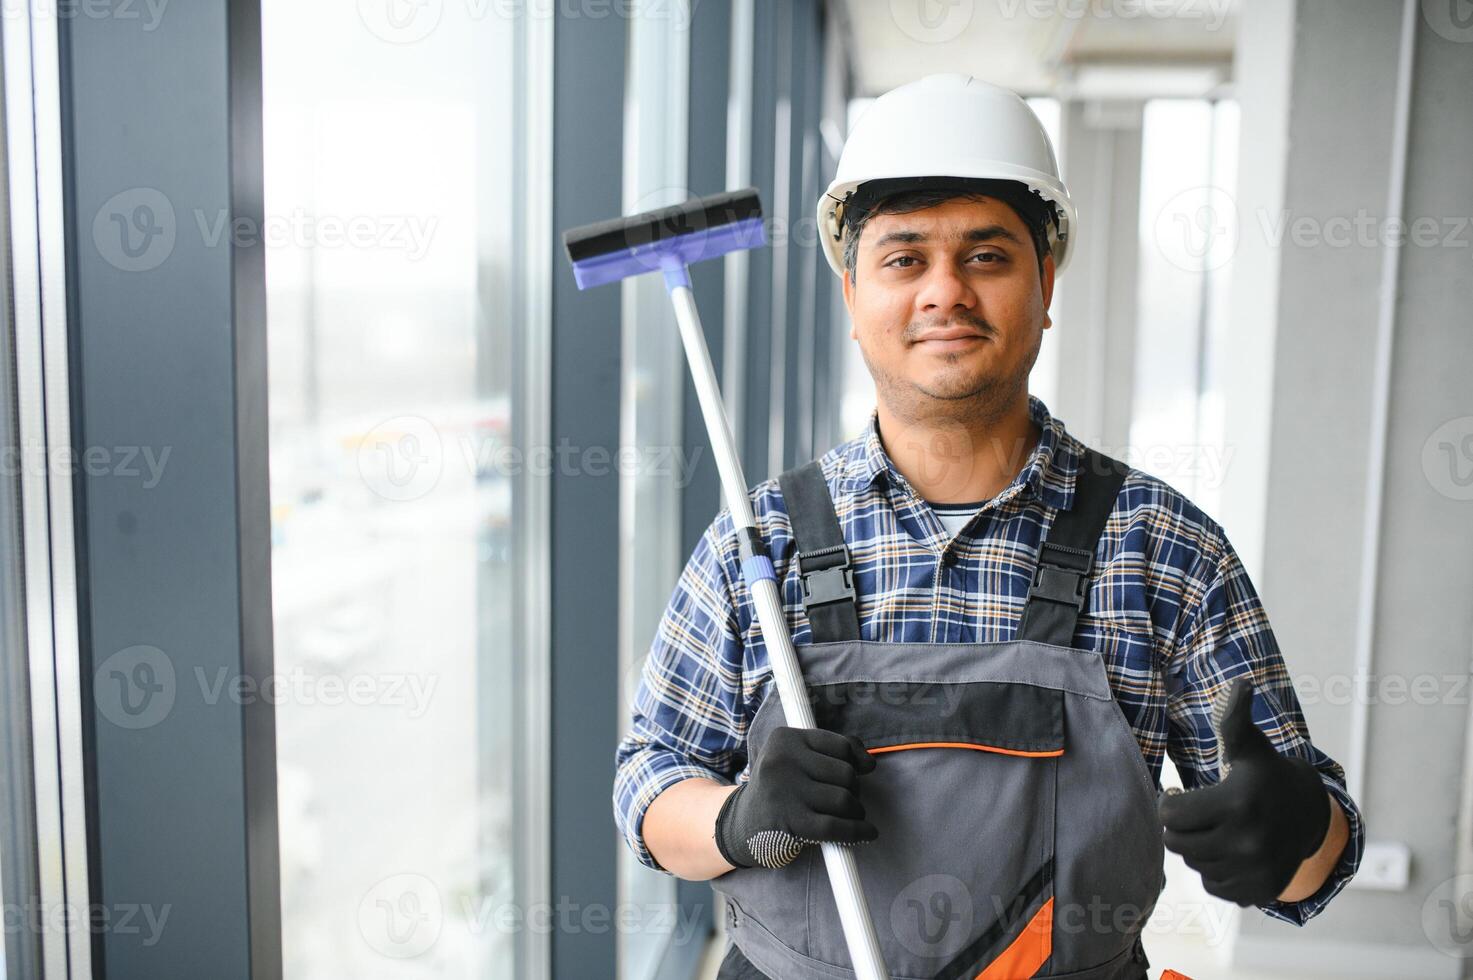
(1018,833)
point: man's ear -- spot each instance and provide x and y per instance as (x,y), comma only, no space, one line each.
(1046,281)
(849,301)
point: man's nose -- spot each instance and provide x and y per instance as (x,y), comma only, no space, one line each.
(944,288)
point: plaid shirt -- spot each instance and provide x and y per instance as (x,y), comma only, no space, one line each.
(1171,610)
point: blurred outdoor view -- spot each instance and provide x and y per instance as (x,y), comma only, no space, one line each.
(389,169)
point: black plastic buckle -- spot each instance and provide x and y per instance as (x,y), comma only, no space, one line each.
(824,585)
(1063,585)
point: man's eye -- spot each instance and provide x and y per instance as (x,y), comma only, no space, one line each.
(991,257)
(899,259)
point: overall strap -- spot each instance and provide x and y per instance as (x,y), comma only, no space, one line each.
(823,558)
(1060,587)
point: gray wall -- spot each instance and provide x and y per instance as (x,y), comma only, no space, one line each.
(1340,93)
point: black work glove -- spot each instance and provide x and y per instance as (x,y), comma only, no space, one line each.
(804,789)
(1247,834)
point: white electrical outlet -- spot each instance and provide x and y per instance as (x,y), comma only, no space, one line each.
(1385,866)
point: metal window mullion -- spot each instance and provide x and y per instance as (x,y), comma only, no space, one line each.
(807,321)
(738,175)
(20,951)
(782,177)
(533,414)
(43,417)
(46,79)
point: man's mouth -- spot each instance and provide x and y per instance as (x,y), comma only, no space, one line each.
(951,333)
(949,339)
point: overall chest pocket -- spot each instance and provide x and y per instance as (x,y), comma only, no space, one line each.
(960,880)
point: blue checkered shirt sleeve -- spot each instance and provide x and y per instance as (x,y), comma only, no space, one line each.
(1224,634)
(688,715)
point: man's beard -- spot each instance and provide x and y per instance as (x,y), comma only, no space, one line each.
(982,399)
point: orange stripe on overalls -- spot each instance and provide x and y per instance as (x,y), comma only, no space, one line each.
(1027,953)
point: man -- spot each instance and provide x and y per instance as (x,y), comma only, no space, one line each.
(1001,631)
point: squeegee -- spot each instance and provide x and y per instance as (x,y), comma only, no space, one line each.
(668,241)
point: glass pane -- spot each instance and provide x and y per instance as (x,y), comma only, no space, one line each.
(391,201)
(654,375)
(1043,380)
(1188,232)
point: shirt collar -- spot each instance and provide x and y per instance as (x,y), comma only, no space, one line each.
(1048,475)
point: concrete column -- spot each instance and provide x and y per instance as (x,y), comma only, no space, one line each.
(1318,93)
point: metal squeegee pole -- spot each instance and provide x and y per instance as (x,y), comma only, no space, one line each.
(859,929)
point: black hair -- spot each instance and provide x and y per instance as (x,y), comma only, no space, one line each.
(904,195)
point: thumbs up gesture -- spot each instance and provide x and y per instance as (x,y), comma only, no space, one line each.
(1247,834)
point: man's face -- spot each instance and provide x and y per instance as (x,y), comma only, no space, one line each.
(948,306)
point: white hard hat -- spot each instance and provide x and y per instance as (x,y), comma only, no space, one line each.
(950,125)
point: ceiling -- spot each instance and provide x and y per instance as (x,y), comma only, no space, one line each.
(1071,48)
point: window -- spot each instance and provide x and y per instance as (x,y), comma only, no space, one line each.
(1188,231)
(395,179)
(653,373)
